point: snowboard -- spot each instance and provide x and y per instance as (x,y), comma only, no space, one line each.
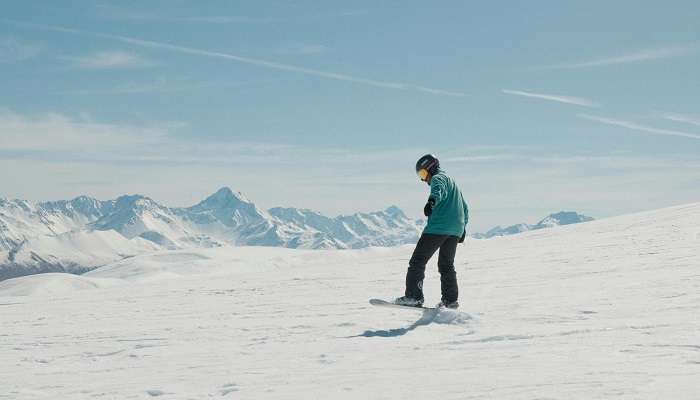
(384,303)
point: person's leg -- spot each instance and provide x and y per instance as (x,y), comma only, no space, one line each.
(425,248)
(446,266)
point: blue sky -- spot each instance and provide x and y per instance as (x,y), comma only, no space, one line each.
(591,106)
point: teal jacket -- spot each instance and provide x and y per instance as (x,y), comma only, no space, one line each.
(450,212)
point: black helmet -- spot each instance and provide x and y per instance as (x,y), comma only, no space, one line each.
(429,163)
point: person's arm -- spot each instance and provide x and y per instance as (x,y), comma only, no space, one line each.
(466,211)
(437,189)
(428,209)
(466,220)
(437,194)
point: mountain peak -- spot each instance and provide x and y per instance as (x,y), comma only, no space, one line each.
(135,202)
(395,212)
(224,198)
(129,198)
(563,218)
(83,198)
(224,192)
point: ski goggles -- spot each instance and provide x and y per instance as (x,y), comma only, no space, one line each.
(423,174)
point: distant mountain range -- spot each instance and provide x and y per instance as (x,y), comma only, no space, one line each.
(82,234)
(560,218)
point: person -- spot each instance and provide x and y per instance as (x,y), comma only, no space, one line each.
(448,216)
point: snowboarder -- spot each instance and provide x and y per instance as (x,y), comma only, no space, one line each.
(448,215)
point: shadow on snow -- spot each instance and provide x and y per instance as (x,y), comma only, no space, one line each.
(429,316)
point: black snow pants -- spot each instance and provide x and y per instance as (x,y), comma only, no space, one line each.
(426,247)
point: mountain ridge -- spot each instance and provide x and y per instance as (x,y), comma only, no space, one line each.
(225,218)
(73,235)
(556,219)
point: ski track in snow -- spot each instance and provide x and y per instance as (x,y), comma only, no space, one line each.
(608,309)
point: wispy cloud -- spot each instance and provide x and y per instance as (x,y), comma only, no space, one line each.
(246,60)
(62,137)
(628,160)
(688,119)
(551,97)
(638,56)
(110,60)
(13,49)
(638,127)
(58,132)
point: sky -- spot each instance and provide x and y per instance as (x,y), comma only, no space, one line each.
(533,107)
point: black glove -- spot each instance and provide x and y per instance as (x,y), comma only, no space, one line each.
(428,209)
(464,236)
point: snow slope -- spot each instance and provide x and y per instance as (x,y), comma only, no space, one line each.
(606,309)
(53,284)
(73,252)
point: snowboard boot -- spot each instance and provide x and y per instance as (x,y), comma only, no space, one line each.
(448,304)
(408,301)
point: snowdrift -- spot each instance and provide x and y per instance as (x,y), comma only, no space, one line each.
(52,284)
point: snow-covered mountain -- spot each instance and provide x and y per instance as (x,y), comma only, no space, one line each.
(228,217)
(41,237)
(21,220)
(74,252)
(389,227)
(558,219)
(562,218)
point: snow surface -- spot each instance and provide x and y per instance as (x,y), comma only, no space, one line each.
(606,309)
(53,284)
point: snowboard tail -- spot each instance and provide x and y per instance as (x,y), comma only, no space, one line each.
(384,303)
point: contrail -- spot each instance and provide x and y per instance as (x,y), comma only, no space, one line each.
(558,98)
(240,59)
(682,118)
(638,127)
(644,55)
